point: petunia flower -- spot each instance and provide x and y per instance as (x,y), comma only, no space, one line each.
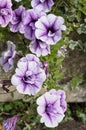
(10,123)
(51,107)
(44,5)
(39,47)
(5,12)
(31,17)
(49,27)
(7,57)
(16,23)
(29,76)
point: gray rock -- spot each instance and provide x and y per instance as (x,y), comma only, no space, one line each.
(75,95)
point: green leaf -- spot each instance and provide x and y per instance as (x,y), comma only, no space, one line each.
(76,81)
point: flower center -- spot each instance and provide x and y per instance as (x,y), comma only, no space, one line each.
(51,32)
(26,78)
(19,19)
(4,12)
(32,23)
(49,108)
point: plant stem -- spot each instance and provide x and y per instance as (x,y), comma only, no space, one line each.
(52,128)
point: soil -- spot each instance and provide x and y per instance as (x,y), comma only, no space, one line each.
(69,125)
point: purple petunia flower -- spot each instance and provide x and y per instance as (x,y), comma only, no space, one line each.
(48,28)
(39,48)
(16,23)
(10,123)
(51,107)
(5,12)
(29,76)
(44,5)
(7,58)
(31,17)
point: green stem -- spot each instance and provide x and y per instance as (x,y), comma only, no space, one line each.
(52,128)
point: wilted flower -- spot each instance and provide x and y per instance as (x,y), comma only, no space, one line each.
(48,28)
(16,23)
(29,76)
(46,67)
(51,107)
(39,47)
(5,12)
(7,58)
(10,123)
(62,51)
(44,5)
(31,17)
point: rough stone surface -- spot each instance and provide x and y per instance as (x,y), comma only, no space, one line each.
(13,94)
(74,65)
(75,95)
(10,96)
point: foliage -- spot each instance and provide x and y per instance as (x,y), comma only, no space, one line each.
(28,119)
(76,81)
